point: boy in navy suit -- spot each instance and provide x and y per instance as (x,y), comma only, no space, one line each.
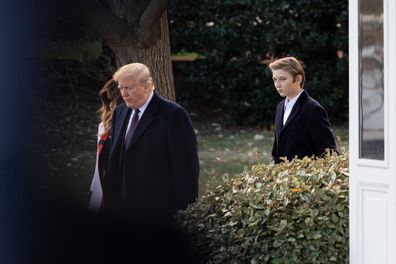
(302,127)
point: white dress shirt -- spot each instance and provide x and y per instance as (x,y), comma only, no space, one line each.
(289,106)
(141,109)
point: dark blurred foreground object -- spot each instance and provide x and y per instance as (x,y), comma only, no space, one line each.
(77,236)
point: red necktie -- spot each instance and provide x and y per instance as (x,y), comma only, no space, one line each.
(131,130)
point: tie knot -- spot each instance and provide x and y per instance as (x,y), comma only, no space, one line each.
(136,114)
(135,118)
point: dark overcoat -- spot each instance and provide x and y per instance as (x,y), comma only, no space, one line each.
(157,174)
(306,131)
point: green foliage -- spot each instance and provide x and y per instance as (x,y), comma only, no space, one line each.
(294,212)
(187,56)
(239,38)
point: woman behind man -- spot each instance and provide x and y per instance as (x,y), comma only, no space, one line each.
(110,97)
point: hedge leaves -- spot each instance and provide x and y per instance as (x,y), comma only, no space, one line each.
(294,212)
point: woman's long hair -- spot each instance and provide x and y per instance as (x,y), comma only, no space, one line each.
(110,97)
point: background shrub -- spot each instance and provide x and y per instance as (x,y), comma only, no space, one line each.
(294,212)
(239,38)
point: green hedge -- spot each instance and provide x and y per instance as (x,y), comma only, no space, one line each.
(239,37)
(294,212)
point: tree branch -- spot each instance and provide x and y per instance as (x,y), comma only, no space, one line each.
(151,15)
(110,27)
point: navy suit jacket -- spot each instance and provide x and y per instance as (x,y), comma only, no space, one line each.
(159,169)
(306,131)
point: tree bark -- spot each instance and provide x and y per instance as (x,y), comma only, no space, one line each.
(157,57)
(137,31)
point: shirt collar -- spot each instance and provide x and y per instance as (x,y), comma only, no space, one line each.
(143,107)
(292,101)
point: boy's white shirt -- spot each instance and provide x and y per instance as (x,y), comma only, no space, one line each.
(289,106)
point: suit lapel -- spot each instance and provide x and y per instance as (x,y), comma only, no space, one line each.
(146,119)
(296,108)
(124,116)
(279,117)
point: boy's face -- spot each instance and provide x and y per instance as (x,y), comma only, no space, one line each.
(285,85)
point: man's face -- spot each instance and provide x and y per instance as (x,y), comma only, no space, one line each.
(284,83)
(133,93)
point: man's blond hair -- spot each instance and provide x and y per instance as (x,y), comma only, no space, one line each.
(138,71)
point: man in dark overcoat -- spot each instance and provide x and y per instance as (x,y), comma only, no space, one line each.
(153,162)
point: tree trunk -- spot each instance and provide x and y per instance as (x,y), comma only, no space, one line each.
(137,31)
(157,57)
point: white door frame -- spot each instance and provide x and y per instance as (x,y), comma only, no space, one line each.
(372,182)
